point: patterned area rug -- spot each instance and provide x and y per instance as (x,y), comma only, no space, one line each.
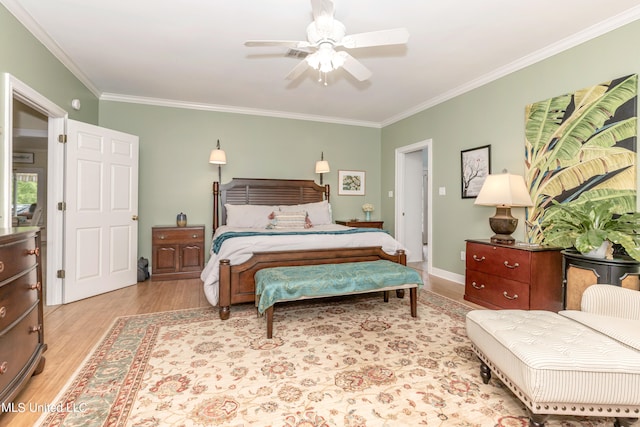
(353,362)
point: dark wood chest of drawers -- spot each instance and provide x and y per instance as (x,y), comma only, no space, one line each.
(513,276)
(177,252)
(21,310)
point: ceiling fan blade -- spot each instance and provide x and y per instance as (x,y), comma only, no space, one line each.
(298,70)
(355,67)
(286,43)
(322,8)
(376,38)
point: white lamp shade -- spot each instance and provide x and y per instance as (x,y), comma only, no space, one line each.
(218,157)
(322,166)
(504,190)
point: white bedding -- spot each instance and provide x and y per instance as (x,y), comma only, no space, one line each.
(240,249)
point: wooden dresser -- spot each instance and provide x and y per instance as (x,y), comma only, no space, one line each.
(177,252)
(513,276)
(21,316)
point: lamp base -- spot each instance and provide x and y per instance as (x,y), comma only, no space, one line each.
(503,224)
(503,239)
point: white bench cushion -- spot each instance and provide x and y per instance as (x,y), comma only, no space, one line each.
(551,358)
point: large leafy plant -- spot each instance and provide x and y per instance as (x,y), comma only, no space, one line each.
(585,225)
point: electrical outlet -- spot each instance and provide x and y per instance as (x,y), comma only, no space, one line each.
(463,255)
(442,191)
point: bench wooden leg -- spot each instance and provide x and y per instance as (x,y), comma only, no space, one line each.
(386,296)
(413,299)
(269,322)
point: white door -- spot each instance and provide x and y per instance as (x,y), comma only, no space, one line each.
(413,204)
(100,219)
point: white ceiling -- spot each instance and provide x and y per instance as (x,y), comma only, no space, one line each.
(190,52)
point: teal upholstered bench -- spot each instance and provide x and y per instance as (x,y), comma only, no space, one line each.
(281,284)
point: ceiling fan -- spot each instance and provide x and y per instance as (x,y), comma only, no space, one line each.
(324,35)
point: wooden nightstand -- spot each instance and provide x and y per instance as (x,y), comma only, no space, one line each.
(177,252)
(361,224)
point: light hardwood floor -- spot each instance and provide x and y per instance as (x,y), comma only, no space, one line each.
(72,330)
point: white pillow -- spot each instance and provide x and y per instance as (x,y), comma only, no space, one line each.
(289,220)
(253,216)
(319,212)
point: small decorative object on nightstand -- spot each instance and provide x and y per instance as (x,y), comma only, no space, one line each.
(181,220)
(177,252)
(367,208)
(361,224)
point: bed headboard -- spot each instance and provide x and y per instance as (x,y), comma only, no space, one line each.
(257,191)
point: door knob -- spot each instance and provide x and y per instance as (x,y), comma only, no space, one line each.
(134,217)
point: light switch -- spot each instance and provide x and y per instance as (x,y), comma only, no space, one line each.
(390,193)
(442,191)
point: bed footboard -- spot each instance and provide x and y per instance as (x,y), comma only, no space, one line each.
(237,283)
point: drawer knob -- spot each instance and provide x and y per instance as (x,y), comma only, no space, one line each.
(35,251)
(4,367)
(506,264)
(3,311)
(195,236)
(476,286)
(1,266)
(161,237)
(479,259)
(35,286)
(507,296)
(36,328)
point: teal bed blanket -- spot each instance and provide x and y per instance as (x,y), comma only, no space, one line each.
(218,241)
(291,283)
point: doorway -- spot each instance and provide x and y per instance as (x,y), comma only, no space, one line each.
(30,151)
(414,201)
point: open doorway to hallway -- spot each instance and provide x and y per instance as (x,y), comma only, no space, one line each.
(413,201)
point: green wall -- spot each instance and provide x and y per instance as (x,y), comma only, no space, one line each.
(494,114)
(175,175)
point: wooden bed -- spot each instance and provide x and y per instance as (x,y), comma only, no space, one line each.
(236,282)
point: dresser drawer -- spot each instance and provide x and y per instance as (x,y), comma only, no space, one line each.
(17,256)
(17,297)
(508,263)
(175,235)
(17,346)
(496,291)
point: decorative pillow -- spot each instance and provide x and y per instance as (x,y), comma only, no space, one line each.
(319,212)
(289,220)
(254,216)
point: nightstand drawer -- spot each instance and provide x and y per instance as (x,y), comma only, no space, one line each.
(496,292)
(161,235)
(508,263)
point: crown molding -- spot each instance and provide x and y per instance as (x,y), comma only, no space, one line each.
(43,37)
(232,109)
(547,52)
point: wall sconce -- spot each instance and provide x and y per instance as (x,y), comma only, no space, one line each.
(504,191)
(322,166)
(218,157)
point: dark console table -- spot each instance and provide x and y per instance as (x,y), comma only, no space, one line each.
(581,271)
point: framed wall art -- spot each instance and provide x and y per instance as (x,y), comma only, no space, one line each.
(22,157)
(475,165)
(351,183)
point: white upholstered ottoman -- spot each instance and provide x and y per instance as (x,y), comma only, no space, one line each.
(556,365)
